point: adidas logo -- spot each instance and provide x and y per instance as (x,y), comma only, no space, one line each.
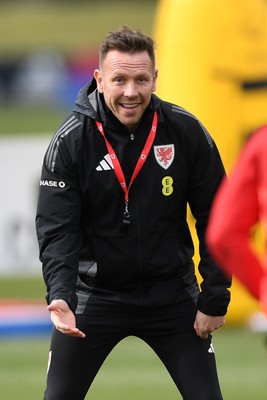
(106,164)
(211,349)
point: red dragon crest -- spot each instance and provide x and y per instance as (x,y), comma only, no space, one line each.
(164,155)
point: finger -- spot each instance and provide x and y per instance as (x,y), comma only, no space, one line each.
(71,331)
(79,334)
(204,336)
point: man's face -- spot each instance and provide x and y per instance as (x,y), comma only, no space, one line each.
(127,81)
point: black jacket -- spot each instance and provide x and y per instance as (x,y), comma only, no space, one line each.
(87,254)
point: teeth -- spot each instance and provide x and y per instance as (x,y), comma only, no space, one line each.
(129,105)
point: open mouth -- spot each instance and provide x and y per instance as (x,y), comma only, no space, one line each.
(129,106)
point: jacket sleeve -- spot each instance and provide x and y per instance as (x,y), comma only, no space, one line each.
(58,222)
(206,174)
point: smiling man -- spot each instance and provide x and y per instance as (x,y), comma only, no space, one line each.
(126,81)
(114,241)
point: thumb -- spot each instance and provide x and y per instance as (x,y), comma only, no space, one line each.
(51,307)
(58,305)
(196,327)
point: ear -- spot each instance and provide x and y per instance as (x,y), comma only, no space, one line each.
(99,81)
(154,80)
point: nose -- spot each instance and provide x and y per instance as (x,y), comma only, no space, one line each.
(130,90)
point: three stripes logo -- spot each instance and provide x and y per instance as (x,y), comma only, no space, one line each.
(106,164)
(52,151)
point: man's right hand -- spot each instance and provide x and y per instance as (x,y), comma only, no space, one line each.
(64,319)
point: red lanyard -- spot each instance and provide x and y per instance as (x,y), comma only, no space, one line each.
(139,165)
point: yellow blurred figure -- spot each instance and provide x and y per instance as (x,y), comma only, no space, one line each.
(212,58)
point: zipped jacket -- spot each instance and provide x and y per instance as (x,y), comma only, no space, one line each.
(88,253)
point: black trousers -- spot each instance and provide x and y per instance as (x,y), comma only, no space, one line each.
(167,330)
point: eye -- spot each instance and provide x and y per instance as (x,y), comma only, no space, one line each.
(143,79)
(118,79)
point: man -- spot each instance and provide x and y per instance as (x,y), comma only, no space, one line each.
(240,205)
(111,222)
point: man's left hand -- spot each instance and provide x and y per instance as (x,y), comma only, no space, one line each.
(205,324)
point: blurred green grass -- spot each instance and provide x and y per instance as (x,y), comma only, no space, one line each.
(30,120)
(33,25)
(133,371)
(22,287)
(65,27)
